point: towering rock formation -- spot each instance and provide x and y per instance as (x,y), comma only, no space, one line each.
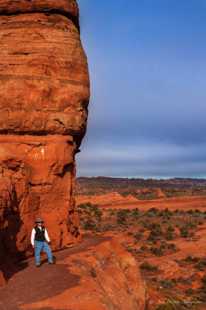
(44,96)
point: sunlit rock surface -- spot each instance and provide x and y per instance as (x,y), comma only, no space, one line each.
(44,96)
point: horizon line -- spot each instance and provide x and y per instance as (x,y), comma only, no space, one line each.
(143,178)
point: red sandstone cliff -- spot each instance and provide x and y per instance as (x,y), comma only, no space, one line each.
(44,95)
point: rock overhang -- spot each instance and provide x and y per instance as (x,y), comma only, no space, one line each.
(65,7)
(43,69)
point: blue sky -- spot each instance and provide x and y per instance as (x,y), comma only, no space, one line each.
(147,62)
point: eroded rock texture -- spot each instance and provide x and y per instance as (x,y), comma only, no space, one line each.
(97,274)
(44,95)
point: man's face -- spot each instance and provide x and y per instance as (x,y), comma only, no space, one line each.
(39,224)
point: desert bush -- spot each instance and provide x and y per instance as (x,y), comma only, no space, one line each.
(106,227)
(143,248)
(89,225)
(146,224)
(156,231)
(147,196)
(202,290)
(149,267)
(93,272)
(189,291)
(170,233)
(122,216)
(158,251)
(191,259)
(201,265)
(125,193)
(191,211)
(84,205)
(165,306)
(176,211)
(166,213)
(191,225)
(97,212)
(152,212)
(135,213)
(91,210)
(90,216)
(173,305)
(184,232)
(137,236)
(112,212)
(132,250)
(203,280)
(172,246)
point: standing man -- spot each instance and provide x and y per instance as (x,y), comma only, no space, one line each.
(39,241)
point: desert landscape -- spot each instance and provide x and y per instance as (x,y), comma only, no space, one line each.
(162,223)
(139,249)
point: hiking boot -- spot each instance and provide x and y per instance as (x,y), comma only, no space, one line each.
(53,262)
(38,265)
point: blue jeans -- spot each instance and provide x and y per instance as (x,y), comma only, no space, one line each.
(42,246)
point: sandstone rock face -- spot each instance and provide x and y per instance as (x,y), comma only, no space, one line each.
(97,274)
(66,7)
(44,96)
(110,279)
(2,280)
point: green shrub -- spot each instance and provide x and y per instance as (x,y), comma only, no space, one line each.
(184,232)
(191,259)
(158,251)
(138,236)
(170,306)
(147,266)
(172,246)
(112,212)
(89,225)
(152,212)
(155,232)
(189,291)
(91,210)
(143,248)
(190,211)
(122,217)
(135,213)
(204,280)
(170,233)
(201,265)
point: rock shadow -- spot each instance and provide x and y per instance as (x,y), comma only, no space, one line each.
(36,284)
(10,257)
